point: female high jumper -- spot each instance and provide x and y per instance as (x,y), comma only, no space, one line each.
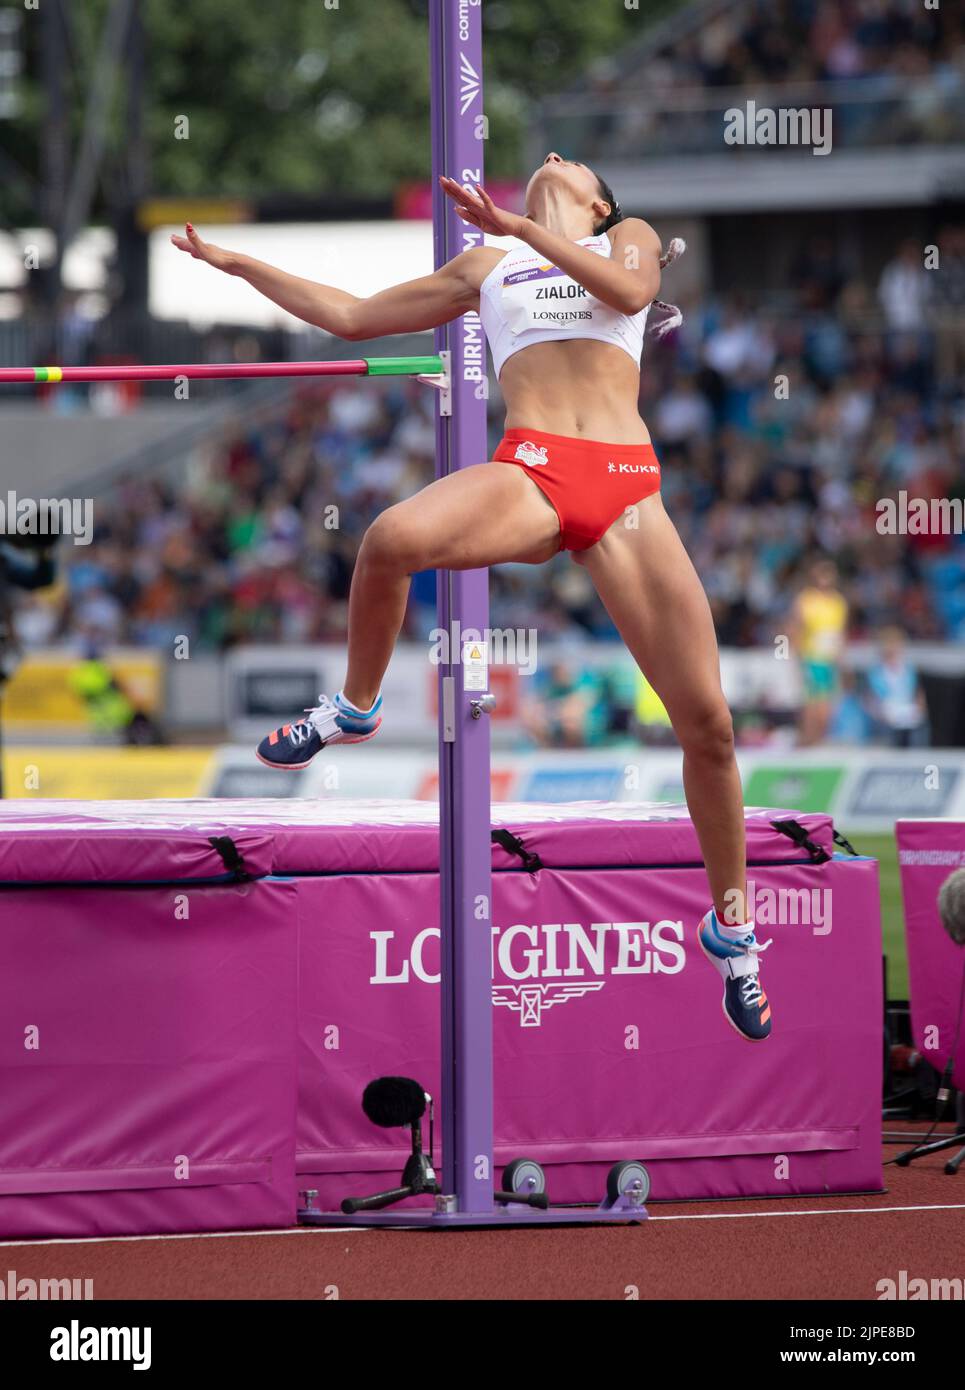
(565,315)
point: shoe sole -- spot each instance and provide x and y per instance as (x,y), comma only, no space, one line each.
(300,767)
(723,1003)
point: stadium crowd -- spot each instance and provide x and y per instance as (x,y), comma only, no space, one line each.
(780,430)
(762,41)
(892,73)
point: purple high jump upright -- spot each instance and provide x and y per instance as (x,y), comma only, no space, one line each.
(465,879)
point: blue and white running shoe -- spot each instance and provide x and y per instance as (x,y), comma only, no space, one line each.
(293,746)
(745,1004)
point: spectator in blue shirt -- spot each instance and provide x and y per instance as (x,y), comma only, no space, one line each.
(896,702)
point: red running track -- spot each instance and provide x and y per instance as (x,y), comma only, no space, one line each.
(811,1248)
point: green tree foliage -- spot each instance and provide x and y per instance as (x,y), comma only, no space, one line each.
(312,96)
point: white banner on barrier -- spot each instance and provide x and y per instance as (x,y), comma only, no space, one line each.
(863,789)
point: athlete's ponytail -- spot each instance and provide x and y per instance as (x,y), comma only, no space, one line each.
(670,315)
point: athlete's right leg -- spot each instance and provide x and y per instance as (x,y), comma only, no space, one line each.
(489,514)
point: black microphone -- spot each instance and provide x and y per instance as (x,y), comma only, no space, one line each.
(394,1101)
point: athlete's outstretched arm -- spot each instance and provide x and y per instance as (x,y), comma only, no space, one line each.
(407,308)
(628,281)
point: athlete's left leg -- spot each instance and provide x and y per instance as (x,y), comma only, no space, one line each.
(650,588)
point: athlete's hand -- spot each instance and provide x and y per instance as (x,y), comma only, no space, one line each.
(480,211)
(204,250)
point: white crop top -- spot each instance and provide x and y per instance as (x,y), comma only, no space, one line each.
(526,300)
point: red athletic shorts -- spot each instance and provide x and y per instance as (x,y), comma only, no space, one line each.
(590,484)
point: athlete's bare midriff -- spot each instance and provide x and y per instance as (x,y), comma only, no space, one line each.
(581,389)
(577,387)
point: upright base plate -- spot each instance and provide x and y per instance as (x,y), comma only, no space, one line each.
(514,1215)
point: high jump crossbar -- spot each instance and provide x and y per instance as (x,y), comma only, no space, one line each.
(228,371)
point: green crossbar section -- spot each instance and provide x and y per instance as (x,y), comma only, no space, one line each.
(404,366)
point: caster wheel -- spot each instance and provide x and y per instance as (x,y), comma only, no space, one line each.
(624,1178)
(524,1175)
